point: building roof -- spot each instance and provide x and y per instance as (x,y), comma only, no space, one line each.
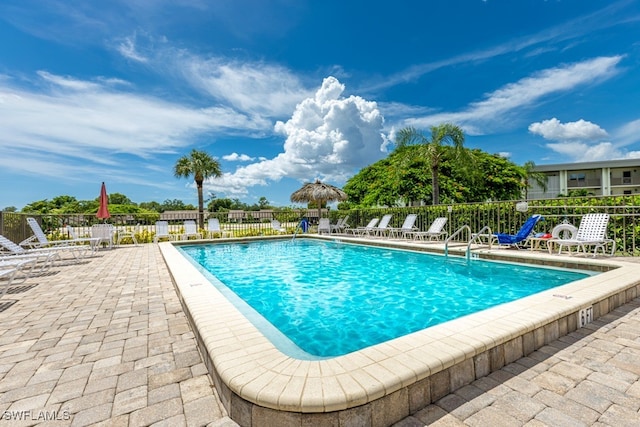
(621,163)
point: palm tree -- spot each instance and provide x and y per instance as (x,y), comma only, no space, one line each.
(440,135)
(538,177)
(202,166)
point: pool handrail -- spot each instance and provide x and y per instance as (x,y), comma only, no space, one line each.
(458,231)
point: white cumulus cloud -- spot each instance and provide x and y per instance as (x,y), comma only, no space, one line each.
(581,130)
(235,157)
(328,137)
(580,141)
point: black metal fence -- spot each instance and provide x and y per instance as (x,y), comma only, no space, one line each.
(624,224)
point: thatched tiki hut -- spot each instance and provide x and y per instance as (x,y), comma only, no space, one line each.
(319,193)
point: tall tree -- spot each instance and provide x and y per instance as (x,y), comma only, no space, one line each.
(432,148)
(531,174)
(201,166)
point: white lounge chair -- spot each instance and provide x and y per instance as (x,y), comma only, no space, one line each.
(275,224)
(382,228)
(191,230)
(162,232)
(78,249)
(408,227)
(324,226)
(45,257)
(213,228)
(341,225)
(435,232)
(364,230)
(8,274)
(591,232)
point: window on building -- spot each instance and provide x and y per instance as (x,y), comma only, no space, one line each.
(577,177)
(626,177)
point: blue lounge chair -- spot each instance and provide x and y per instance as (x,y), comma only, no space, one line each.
(521,235)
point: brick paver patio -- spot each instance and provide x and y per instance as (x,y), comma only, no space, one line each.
(105,342)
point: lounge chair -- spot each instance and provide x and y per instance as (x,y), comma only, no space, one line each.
(275,224)
(25,266)
(364,230)
(407,227)
(8,274)
(45,257)
(190,230)
(324,226)
(78,249)
(382,228)
(435,231)
(522,235)
(162,232)
(341,225)
(591,232)
(213,228)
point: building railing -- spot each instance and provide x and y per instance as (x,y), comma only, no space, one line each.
(624,224)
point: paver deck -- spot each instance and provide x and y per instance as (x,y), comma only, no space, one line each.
(106,342)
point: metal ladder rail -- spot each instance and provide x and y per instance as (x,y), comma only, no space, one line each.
(458,231)
(478,235)
(298,227)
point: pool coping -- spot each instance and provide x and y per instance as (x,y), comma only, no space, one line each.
(385,383)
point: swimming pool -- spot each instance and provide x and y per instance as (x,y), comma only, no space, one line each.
(320,299)
(382,384)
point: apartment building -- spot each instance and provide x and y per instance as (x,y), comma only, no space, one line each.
(604,178)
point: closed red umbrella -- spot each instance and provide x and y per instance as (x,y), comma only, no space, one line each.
(103,210)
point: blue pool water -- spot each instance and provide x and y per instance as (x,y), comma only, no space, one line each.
(332,298)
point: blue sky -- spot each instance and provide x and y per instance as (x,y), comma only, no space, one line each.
(285,91)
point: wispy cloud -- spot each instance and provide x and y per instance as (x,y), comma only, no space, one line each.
(498,105)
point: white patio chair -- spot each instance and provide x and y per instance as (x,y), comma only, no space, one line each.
(93,241)
(104,232)
(275,224)
(214,228)
(190,230)
(162,232)
(591,232)
(125,232)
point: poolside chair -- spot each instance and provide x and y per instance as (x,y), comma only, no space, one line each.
(592,231)
(8,274)
(363,230)
(25,266)
(382,228)
(513,240)
(407,227)
(275,224)
(324,226)
(104,232)
(127,233)
(190,230)
(94,242)
(341,225)
(162,232)
(78,249)
(213,228)
(45,257)
(435,231)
